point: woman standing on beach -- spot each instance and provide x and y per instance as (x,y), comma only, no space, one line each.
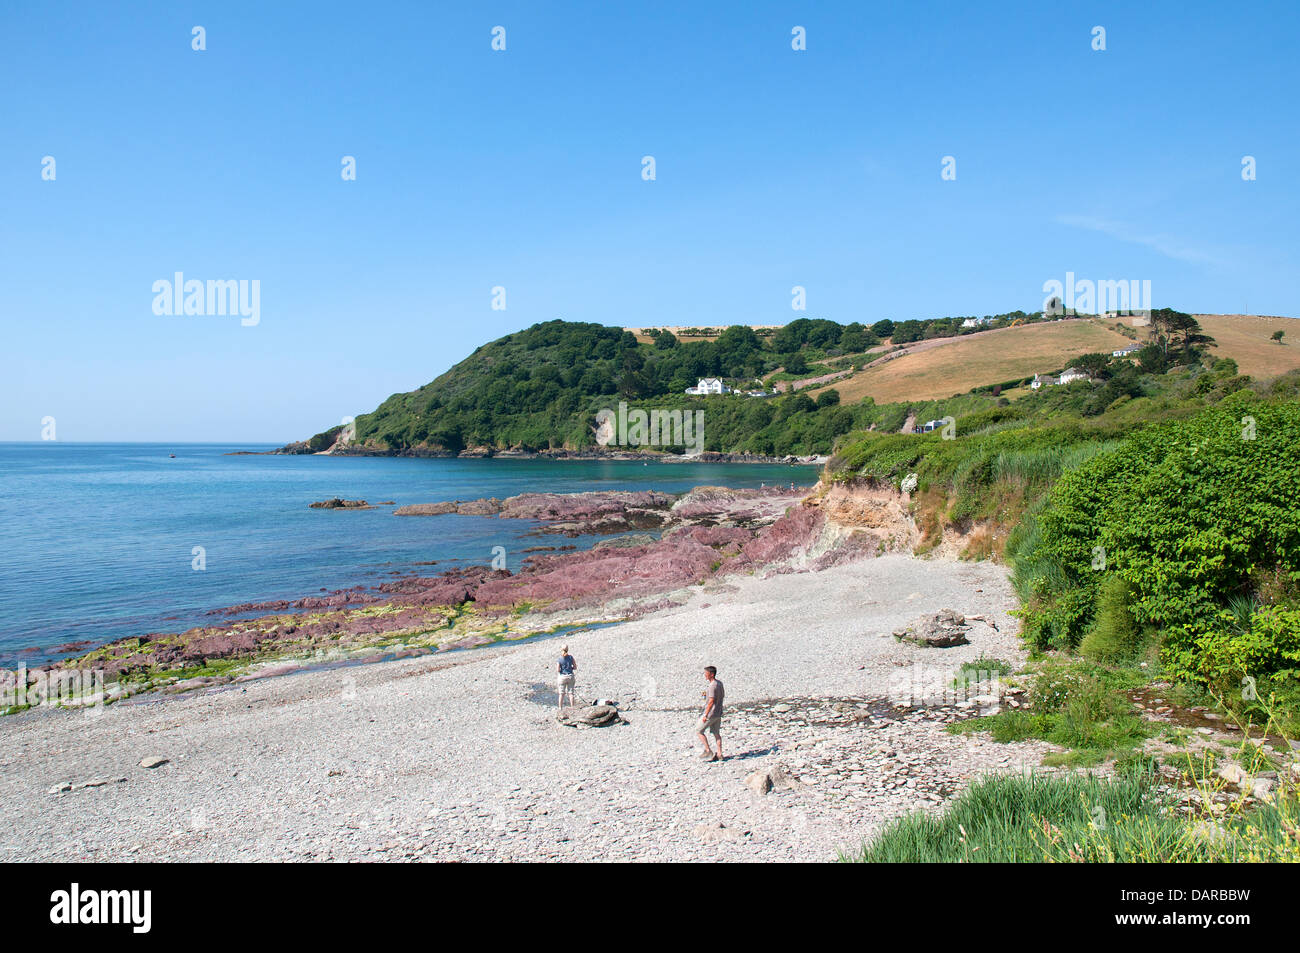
(567,666)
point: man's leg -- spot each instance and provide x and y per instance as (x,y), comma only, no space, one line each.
(717,740)
(705,741)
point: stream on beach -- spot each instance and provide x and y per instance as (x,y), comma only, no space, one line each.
(108,541)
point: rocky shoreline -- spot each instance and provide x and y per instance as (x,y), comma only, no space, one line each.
(303,448)
(669,546)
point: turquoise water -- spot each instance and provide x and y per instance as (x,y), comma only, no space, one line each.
(96,540)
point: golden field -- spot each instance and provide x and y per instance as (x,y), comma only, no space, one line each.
(941,368)
(948,366)
(1247,339)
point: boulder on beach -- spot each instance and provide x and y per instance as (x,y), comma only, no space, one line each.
(775,778)
(590,716)
(941,629)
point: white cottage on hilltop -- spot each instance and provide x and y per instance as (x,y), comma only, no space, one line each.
(709,385)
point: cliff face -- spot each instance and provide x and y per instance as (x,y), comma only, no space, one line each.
(858,519)
(904,522)
(860,506)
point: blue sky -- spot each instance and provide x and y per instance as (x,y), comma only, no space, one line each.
(522,169)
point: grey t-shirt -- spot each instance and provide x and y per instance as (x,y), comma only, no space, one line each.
(715,691)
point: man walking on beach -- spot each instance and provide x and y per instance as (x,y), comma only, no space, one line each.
(566,668)
(711,720)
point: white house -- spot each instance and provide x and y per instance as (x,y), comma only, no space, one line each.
(1072,374)
(1042,380)
(1126,350)
(709,385)
(976,322)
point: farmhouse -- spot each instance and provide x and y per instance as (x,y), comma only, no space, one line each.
(1072,374)
(1126,351)
(1042,380)
(976,322)
(709,385)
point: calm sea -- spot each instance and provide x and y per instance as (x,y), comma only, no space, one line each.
(97,540)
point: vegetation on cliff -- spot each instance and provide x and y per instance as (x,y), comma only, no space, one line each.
(540,388)
(1148,513)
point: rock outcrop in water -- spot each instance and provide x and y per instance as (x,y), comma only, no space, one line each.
(570,514)
(602,511)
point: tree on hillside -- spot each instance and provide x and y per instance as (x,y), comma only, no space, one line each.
(852,341)
(737,349)
(941,328)
(1152,359)
(632,383)
(791,337)
(907,332)
(1125,382)
(824,334)
(1096,365)
(1277,336)
(664,340)
(1178,335)
(883,328)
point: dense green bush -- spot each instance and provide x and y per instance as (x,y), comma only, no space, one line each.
(1225,658)
(1189,514)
